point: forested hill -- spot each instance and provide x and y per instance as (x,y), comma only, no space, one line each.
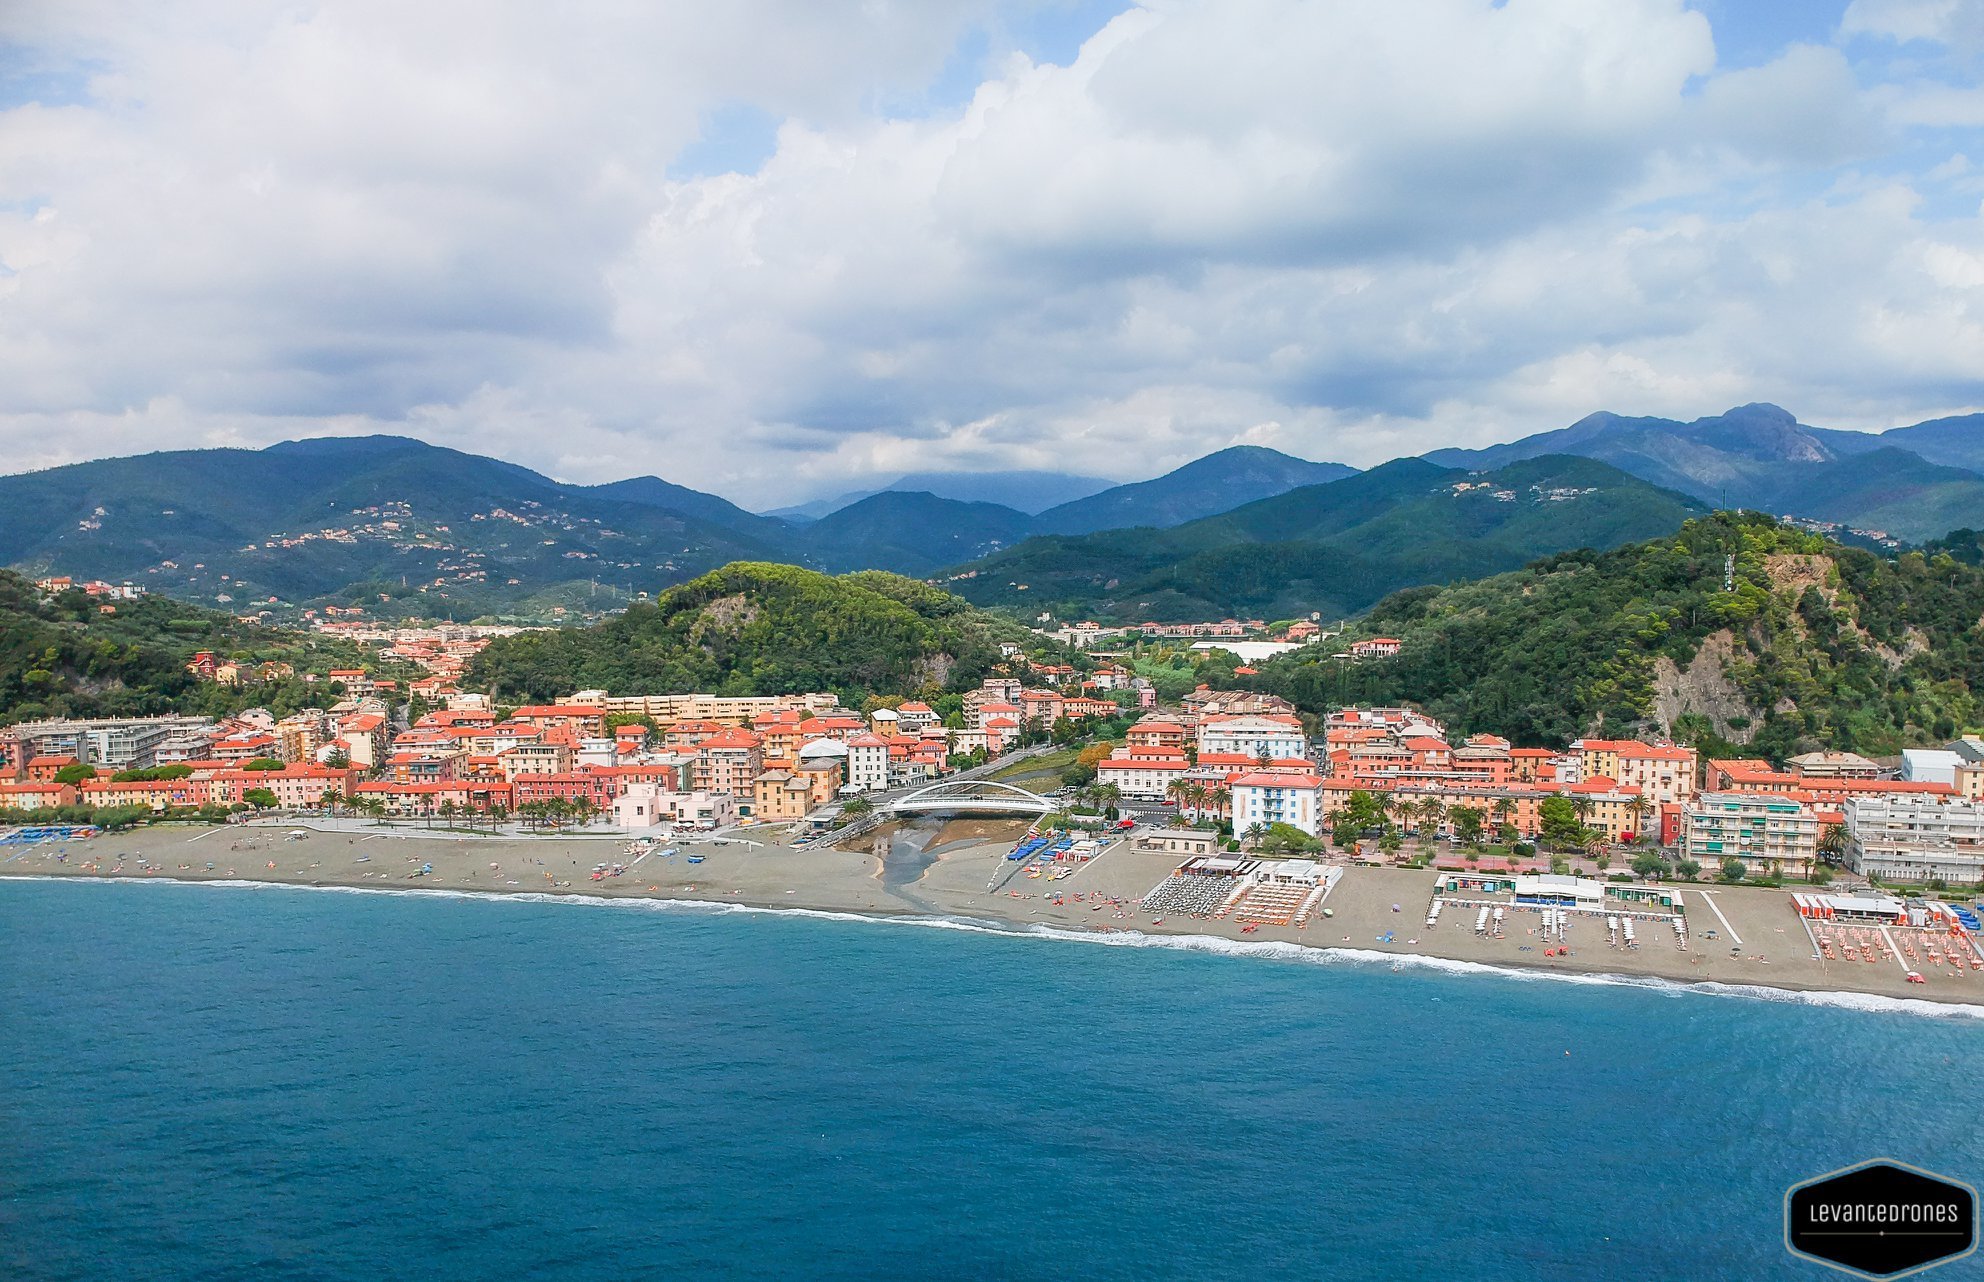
(63,656)
(1813,645)
(758,628)
(1334,548)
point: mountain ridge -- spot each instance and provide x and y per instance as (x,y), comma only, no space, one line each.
(1761,456)
(1335,548)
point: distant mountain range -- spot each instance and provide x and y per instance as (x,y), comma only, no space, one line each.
(1204,487)
(919,533)
(355,519)
(1914,483)
(1333,548)
(401,526)
(1028,492)
(408,528)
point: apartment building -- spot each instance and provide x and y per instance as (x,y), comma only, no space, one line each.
(1769,832)
(1916,838)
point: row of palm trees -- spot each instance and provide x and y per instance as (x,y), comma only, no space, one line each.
(1097,796)
(1197,795)
(552,812)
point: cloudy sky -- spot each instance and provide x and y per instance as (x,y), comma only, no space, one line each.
(773,248)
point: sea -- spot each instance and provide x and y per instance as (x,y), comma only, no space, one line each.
(230,1082)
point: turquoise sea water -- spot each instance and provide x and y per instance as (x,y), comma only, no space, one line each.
(204,1082)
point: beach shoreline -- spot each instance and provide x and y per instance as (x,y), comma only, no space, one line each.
(1377,912)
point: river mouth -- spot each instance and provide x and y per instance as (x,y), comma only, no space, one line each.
(908,855)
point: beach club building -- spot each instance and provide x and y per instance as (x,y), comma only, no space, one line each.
(646,805)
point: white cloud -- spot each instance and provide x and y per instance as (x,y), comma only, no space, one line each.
(1349,230)
(1958,23)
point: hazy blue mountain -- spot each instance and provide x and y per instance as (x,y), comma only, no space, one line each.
(911,533)
(1028,492)
(1953,442)
(1217,483)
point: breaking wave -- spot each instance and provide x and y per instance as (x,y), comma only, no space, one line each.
(1268,950)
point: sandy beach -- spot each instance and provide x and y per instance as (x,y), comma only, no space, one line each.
(957,868)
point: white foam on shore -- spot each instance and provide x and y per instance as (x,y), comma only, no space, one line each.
(1269,950)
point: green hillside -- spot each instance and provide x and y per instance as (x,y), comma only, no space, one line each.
(1815,645)
(62,656)
(1334,548)
(758,628)
(432,531)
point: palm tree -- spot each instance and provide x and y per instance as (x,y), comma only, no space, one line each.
(1581,806)
(1504,809)
(1832,845)
(1212,800)
(1642,808)
(1431,812)
(1180,792)
(1389,805)
(1255,831)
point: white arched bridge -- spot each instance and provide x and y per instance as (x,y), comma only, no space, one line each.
(972,794)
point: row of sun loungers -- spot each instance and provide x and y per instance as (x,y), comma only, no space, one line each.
(1190,894)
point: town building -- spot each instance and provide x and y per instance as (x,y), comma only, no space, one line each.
(1916,839)
(1275,797)
(1833,765)
(647,805)
(1665,772)
(1142,773)
(1252,736)
(1768,832)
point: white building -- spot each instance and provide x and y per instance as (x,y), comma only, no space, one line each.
(868,763)
(1929,765)
(1269,797)
(645,805)
(1143,773)
(1280,738)
(596,751)
(1903,837)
